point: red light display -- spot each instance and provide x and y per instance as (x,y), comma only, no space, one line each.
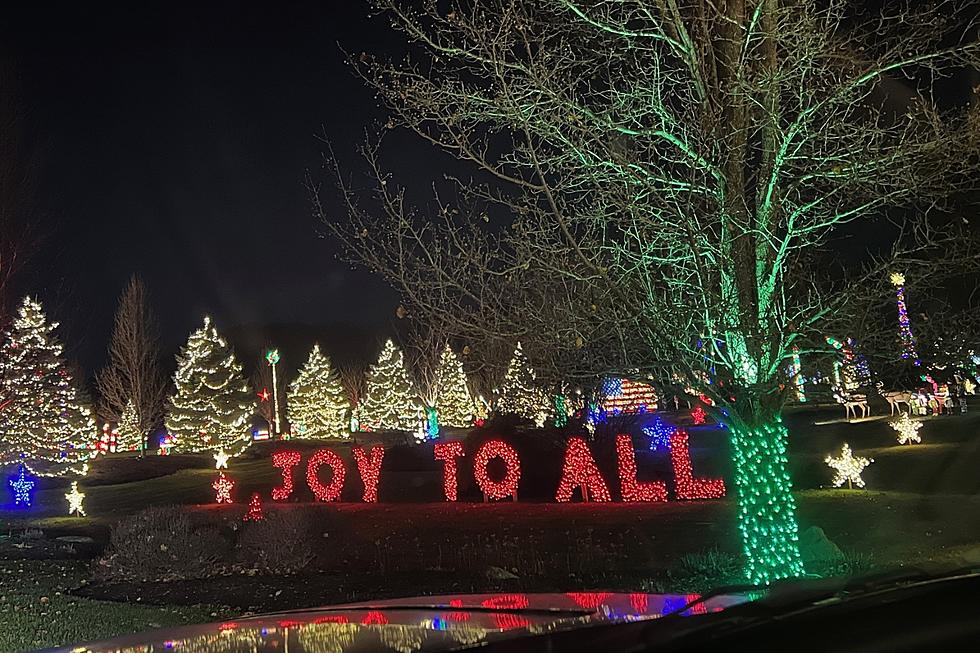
(448,452)
(580,470)
(222,488)
(640,603)
(688,487)
(629,487)
(254,509)
(284,460)
(589,600)
(507,487)
(508,620)
(625,397)
(369,467)
(323,492)
(374,617)
(698,416)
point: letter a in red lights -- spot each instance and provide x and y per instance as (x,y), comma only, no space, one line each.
(629,487)
(284,460)
(323,492)
(369,467)
(580,470)
(687,486)
(448,452)
(507,487)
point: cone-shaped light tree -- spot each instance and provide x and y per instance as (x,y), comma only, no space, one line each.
(317,405)
(675,172)
(212,403)
(518,393)
(43,423)
(390,401)
(132,437)
(454,403)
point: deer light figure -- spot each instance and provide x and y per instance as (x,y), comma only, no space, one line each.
(896,398)
(851,403)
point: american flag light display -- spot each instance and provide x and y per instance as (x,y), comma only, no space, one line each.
(627,397)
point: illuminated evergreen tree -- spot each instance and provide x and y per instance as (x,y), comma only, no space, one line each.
(519,394)
(453,400)
(317,405)
(677,174)
(212,403)
(390,401)
(44,423)
(131,435)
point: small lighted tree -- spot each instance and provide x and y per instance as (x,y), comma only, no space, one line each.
(390,401)
(212,403)
(131,435)
(519,394)
(44,425)
(454,402)
(317,405)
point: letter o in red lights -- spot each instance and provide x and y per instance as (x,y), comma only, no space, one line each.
(508,485)
(323,492)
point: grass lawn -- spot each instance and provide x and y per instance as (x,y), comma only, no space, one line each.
(36,612)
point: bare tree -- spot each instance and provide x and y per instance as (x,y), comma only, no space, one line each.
(675,175)
(133,372)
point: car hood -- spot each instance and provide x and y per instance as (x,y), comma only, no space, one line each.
(433,623)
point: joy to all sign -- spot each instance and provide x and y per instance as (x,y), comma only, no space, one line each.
(579,472)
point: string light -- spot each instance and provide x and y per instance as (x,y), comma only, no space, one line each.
(766,508)
(131,436)
(453,398)
(796,375)
(580,470)
(165,444)
(284,460)
(518,394)
(506,487)
(904,328)
(254,512)
(369,468)
(659,433)
(848,467)
(23,488)
(221,460)
(629,487)
(698,416)
(448,452)
(627,397)
(107,441)
(686,486)
(222,488)
(75,499)
(212,403)
(316,405)
(323,492)
(390,401)
(907,429)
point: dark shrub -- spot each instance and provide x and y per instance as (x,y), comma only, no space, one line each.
(280,543)
(162,543)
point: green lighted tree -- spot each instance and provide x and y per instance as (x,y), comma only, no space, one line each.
(317,405)
(132,437)
(44,423)
(453,400)
(212,403)
(674,172)
(518,394)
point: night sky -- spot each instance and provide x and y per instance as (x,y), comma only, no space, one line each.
(171,139)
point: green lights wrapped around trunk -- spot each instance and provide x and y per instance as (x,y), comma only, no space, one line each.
(766,508)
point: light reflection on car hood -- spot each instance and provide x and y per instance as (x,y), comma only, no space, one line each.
(435,623)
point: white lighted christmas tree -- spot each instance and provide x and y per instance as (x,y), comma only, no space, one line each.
(518,394)
(212,403)
(390,401)
(454,402)
(44,424)
(131,436)
(317,405)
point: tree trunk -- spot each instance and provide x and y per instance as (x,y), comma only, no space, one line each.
(766,508)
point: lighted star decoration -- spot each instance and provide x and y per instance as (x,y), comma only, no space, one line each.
(848,467)
(221,460)
(264,395)
(897,279)
(907,428)
(22,487)
(75,499)
(222,488)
